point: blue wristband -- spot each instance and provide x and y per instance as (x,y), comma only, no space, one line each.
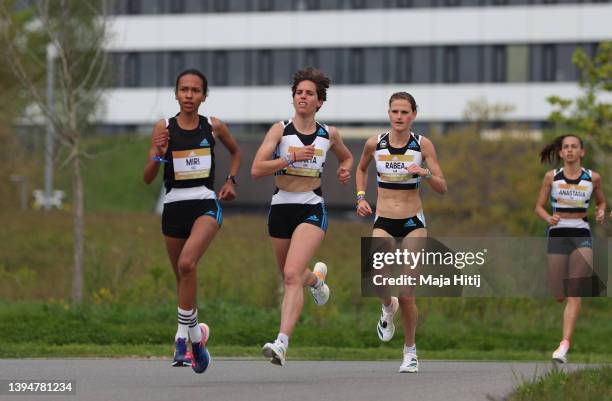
(159,159)
(288,159)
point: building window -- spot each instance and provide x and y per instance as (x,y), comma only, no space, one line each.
(356,66)
(302,5)
(311,58)
(499,64)
(177,6)
(176,64)
(404,65)
(132,67)
(548,63)
(265,66)
(266,5)
(134,7)
(220,6)
(220,67)
(451,64)
(517,62)
(404,3)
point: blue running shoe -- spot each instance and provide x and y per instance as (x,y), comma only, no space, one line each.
(201,358)
(182,357)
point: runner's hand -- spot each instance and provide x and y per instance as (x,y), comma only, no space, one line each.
(363,208)
(418,170)
(303,153)
(160,142)
(344,175)
(227,191)
(554,219)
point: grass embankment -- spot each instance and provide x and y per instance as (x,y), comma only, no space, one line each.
(32,329)
(584,385)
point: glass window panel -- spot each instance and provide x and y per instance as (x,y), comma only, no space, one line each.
(327,63)
(330,4)
(403,3)
(265,67)
(176,6)
(134,7)
(265,5)
(282,67)
(148,71)
(176,64)
(403,65)
(132,69)
(439,66)
(219,68)
(220,6)
(373,58)
(237,68)
(469,64)
(424,3)
(535,62)
(548,63)
(566,70)
(451,64)
(342,63)
(389,65)
(356,66)
(498,64)
(423,64)
(311,58)
(517,63)
(194,6)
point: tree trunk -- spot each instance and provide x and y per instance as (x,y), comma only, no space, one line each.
(79,223)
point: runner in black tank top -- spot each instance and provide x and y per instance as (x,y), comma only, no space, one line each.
(570,253)
(185,144)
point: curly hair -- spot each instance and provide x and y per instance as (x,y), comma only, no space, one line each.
(319,78)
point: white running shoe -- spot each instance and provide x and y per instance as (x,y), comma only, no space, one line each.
(321,294)
(275,351)
(560,354)
(385,327)
(410,364)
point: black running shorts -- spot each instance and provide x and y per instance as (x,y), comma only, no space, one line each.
(178,217)
(284,218)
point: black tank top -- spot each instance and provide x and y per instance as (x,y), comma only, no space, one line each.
(190,156)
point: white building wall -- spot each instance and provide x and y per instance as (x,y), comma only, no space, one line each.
(347,103)
(389,27)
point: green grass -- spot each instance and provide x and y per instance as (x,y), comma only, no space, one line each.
(33,329)
(594,384)
(387,353)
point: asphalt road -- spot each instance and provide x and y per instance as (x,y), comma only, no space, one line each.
(242,380)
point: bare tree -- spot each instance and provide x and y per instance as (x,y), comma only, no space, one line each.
(77,30)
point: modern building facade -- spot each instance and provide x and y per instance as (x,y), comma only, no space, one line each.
(444,52)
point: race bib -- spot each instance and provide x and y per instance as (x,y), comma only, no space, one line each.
(191,164)
(392,168)
(307,168)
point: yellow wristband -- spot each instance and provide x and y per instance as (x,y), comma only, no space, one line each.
(360,193)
